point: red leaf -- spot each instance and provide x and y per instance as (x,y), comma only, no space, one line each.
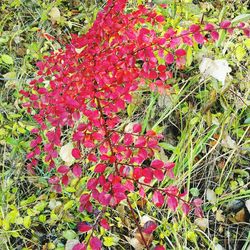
(97,136)
(54,180)
(169,165)
(209,27)
(215,35)
(198,212)
(84,198)
(137,173)
(92,183)
(140,142)
(79,246)
(142,192)
(162,68)
(185,208)
(84,227)
(169,58)
(129,185)
(65,180)
(172,203)
(180,52)
(100,168)
(92,157)
(104,223)
(197,202)
(104,198)
(157,164)
(194,28)
(198,37)
(159,175)
(158,199)
(225,24)
(63,169)
(76,153)
(159,248)
(128,139)
(95,243)
(77,170)
(160,18)
(172,190)
(149,227)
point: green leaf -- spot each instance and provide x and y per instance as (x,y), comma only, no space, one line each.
(167,146)
(7,59)
(109,241)
(68,205)
(195,192)
(240,53)
(69,234)
(40,206)
(42,218)
(27,221)
(247,43)
(70,189)
(12,141)
(130,109)
(15,234)
(189,57)
(11,216)
(247,121)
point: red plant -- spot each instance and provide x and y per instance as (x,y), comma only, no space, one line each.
(80,95)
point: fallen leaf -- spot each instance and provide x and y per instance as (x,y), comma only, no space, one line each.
(219,216)
(247,203)
(211,196)
(240,216)
(228,142)
(202,223)
(218,69)
(66,153)
(134,243)
(55,15)
(218,247)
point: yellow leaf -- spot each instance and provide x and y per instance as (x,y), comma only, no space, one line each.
(240,53)
(55,15)
(109,241)
(27,221)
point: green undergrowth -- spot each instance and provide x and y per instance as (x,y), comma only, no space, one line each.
(205,126)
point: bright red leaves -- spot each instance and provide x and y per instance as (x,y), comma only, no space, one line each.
(76,153)
(79,95)
(158,199)
(95,243)
(84,227)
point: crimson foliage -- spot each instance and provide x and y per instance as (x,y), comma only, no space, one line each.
(79,96)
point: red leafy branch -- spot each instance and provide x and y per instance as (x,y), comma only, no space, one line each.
(78,101)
